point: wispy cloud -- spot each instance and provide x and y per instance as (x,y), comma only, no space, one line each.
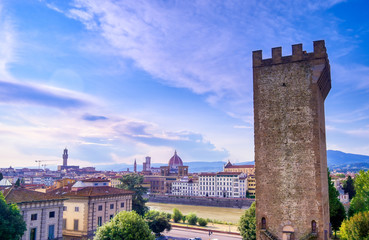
(12,92)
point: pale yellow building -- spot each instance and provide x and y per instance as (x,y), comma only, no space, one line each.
(248,169)
(251,184)
(89,207)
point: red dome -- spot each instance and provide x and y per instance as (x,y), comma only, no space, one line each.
(175,161)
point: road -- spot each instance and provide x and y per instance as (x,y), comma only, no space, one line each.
(189,233)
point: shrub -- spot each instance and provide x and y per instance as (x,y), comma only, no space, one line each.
(247,225)
(184,217)
(202,222)
(191,219)
(357,227)
(177,215)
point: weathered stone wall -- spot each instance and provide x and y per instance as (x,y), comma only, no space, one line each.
(203,201)
(290,148)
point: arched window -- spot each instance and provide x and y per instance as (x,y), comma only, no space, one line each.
(313,226)
(263,223)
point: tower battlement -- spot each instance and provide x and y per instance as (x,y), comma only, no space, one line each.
(297,55)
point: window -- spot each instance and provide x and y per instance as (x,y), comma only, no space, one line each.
(95,184)
(65,208)
(51,214)
(32,235)
(122,204)
(76,209)
(111,216)
(99,221)
(111,206)
(64,223)
(34,217)
(99,208)
(104,184)
(313,226)
(51,231)
(263,223)
(75,227)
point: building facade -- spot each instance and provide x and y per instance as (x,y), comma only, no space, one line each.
(43,214)
(89,205)
(185,187)
(290,144)
(222,184)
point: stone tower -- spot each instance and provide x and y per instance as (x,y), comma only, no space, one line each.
(135,167)
(65,157)
(290,146)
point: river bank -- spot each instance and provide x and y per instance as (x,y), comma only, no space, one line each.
(231,215)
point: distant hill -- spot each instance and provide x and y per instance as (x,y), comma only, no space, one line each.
(342,161)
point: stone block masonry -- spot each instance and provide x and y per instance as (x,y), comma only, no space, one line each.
(290,145)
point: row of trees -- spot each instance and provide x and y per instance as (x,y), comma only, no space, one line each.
(191,218)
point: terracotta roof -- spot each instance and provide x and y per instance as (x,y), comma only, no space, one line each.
(90,191)
(229,173)
(207,174)
(95,180)
(240,166)
(175,160)
(22,195)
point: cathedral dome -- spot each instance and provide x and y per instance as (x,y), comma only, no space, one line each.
(175,161)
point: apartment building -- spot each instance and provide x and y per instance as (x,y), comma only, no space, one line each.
(90,204)
(185,187)
(42,213)
(223,184)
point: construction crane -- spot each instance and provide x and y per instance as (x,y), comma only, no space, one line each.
(39,162)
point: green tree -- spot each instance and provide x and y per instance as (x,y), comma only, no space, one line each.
(12,225)
(17,183)
(356,228)
(1,176)
(191,219)
(133,182)
(337,211)
(349,187)
(177,215)
(202,222)
(184,218)
(360,203)
(247,224)
(158,221)
(125,225)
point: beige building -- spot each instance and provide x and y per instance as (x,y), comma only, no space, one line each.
(42,213)
(248,169)
(89,207)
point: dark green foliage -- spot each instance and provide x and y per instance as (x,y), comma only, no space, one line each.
(184,218)
(356,228)
(360,203)
(349,187)
(1,176)
(125,225)
(17,183)
(177,215)
(191,219)
(133,182)
(341,175)
(169,216)
(12,225)
(247,224)
(336,209)
(158,221)
(202,222)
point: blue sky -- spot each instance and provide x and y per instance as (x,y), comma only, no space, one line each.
(117,80)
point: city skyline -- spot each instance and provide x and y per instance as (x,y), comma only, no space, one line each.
(121,80)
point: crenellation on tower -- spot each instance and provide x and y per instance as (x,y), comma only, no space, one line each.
(297,55)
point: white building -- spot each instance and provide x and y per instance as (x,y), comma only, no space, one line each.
(223,184)
(185,187)
(42,213)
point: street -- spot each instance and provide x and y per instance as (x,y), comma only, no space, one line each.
(189,233)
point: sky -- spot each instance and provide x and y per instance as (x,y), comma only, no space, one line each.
(115,81)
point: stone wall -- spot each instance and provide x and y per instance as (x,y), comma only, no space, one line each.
(202,201)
